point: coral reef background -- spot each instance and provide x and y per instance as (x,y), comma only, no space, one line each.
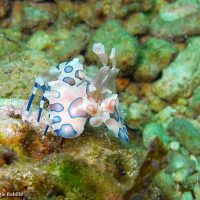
(158,53)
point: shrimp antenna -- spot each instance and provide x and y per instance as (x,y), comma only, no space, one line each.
(99,50)
(112,57)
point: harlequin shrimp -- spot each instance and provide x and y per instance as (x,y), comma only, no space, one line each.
(75,98)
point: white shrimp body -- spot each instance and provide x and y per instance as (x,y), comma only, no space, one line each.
(67,117)
(74,98)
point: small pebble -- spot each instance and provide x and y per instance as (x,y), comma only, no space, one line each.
(174,145)
(187,196)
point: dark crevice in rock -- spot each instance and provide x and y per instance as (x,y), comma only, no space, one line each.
(155,161)
(7,155)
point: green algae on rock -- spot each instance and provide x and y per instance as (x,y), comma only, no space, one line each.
(156,104)
(177,161)
(59,34)
(40,40)
(138,115)
(94,13)
(31,16)
(68,14)
(91,12)
(165,115)
(138,6)
(22,68)
(197,189)
(154,55)
(181,175)
(178,9)
(112,33)
(59,42)
(182,75)
(195,101)
(38,15)
(153,130)
(186,133)
(129,96)
(192,180)
(88,167)
(72,45)
(158,4)
(119,8)
(167,185)
(187,196)
(10,40)
(171,23)
(176,178)
(137,24)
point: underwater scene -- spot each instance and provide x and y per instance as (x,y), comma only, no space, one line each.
(100,100)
